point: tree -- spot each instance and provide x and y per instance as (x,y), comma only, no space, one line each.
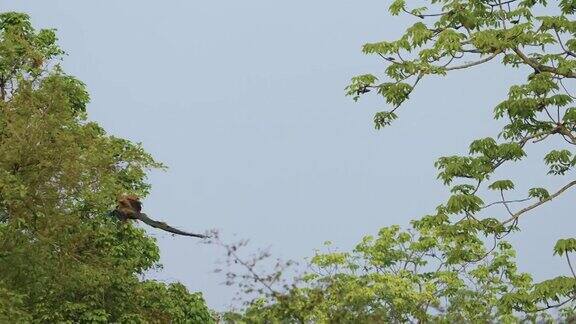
(62,258)
(454,264)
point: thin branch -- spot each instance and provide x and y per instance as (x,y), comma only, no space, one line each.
(553,306)
(567,140)
(387,58)
(418,78)
(562,44)
(570,265)
(467,65)
(550,116)
(541,202)
(541,139)
(474,50)
(501,3)
(566,90)
(506,202)
(422,16)
(564,131)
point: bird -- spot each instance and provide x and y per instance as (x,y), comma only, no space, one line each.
(130,207)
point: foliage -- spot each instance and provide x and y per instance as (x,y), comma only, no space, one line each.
(453,265)
(62,258)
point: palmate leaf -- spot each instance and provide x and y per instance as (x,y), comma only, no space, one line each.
(565,246)
(502,185)
(539,193)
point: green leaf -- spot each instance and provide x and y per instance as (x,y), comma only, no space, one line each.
(502,185)
(565,246)
(540,193)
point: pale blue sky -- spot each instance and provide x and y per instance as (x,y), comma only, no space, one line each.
(244,101)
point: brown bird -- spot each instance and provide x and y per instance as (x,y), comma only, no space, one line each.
(130,207)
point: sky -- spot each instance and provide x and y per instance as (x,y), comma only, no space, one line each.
(244,102)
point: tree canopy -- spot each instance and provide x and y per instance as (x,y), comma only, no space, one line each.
(62,258)
(454,265)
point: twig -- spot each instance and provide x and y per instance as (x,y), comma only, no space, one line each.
(506,202)
(570,265)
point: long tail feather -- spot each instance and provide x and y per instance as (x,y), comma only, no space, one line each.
(163,226)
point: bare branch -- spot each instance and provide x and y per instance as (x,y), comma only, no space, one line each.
(422,16)
(506,202)
(568,52)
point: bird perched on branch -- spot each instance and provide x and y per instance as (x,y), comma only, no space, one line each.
(130,207)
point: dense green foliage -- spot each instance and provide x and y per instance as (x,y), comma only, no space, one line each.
(453,266)
(62,258)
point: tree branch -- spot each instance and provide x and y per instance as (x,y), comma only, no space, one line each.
(541,67)
(541,202)
(506,202)
(467,65)
(570,265)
